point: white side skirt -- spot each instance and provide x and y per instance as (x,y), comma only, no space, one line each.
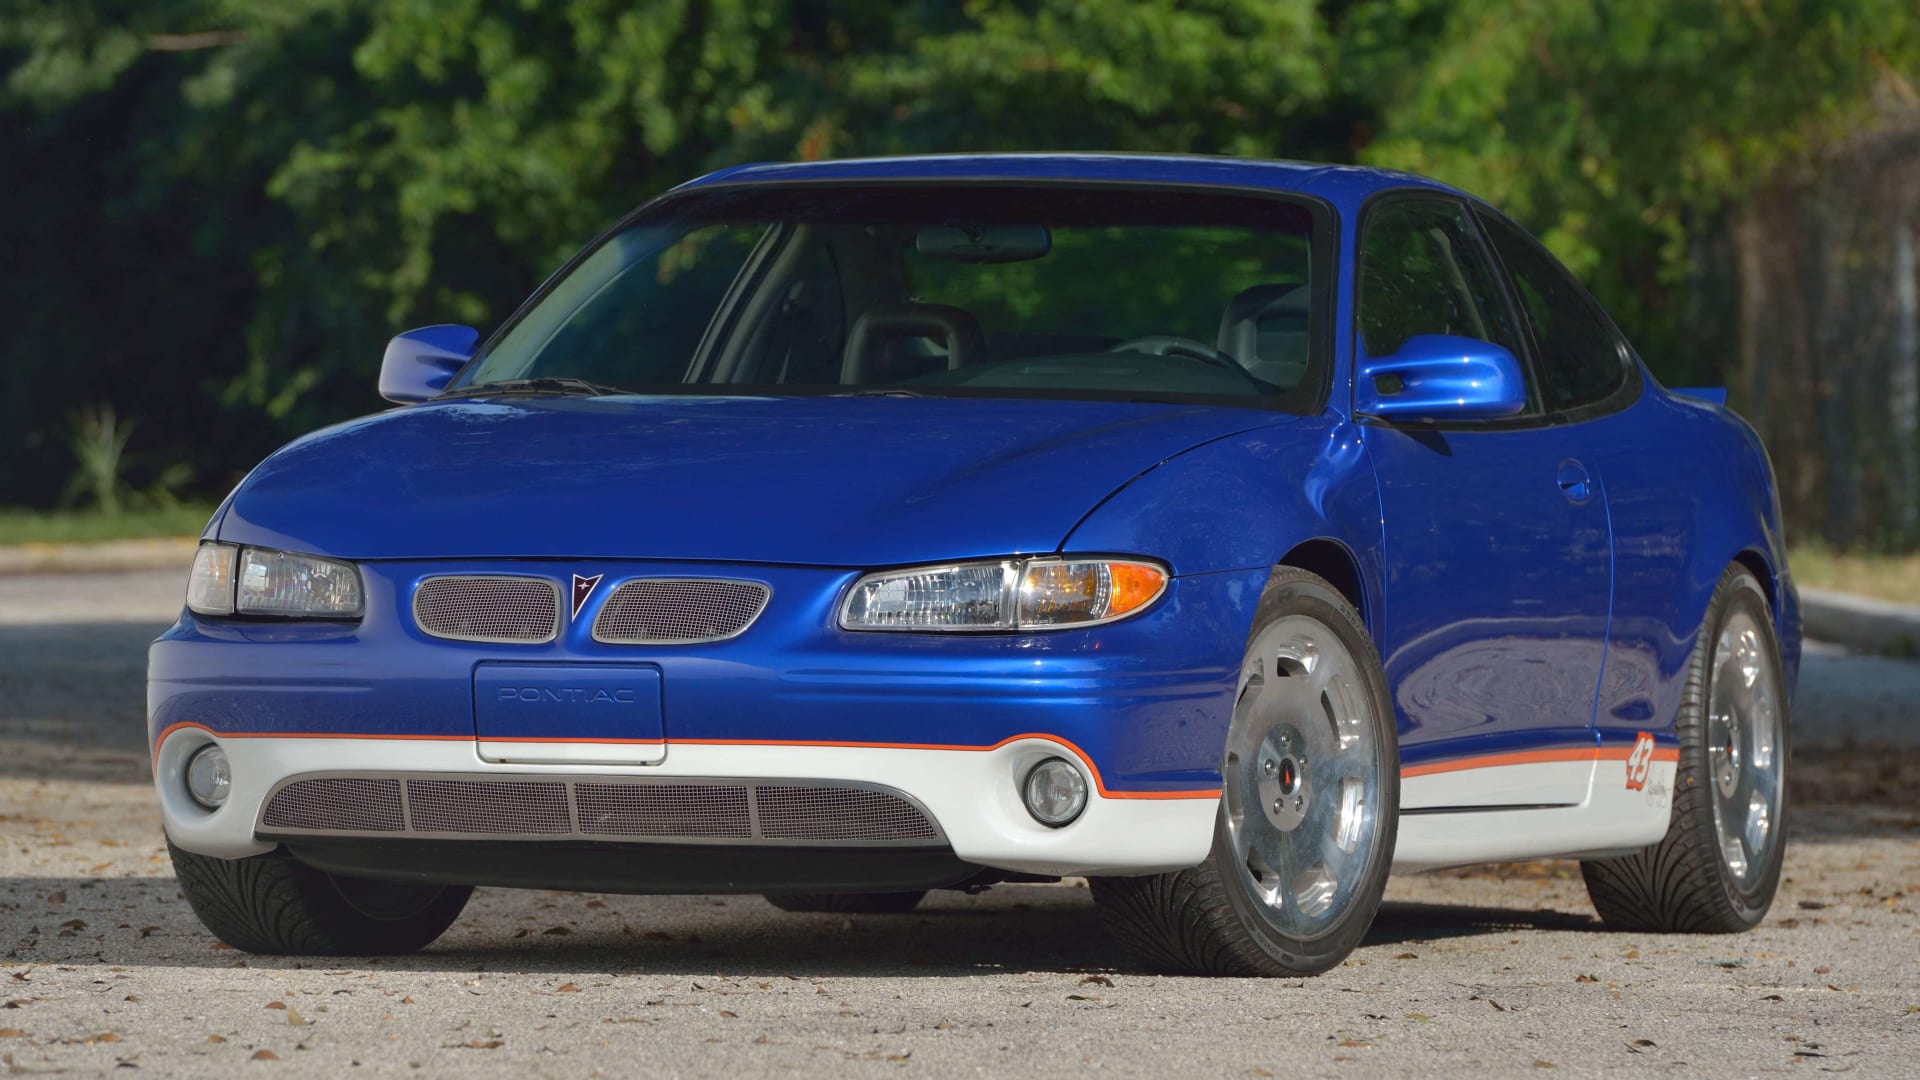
(1610,819)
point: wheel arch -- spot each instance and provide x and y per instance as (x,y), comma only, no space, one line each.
(1331,559)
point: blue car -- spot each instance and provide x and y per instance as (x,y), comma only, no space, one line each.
(1230,533)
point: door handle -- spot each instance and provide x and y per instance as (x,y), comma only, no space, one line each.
(1574,482)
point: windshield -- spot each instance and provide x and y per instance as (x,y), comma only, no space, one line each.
(951,290)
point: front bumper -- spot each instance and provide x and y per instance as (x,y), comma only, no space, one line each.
(951,722)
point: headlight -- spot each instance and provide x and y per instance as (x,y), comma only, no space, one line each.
(1006,594)
(257,581)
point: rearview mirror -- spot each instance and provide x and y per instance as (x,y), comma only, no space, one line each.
(419,363)
(1441,377)
(983,243)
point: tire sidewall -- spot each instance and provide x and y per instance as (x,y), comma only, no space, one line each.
(1300,593)
(1738,591)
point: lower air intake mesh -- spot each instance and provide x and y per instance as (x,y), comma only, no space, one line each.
(684,811)
(340,802)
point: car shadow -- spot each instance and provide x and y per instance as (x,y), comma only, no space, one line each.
(143,922)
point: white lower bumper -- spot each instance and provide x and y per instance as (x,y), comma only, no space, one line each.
(972,794)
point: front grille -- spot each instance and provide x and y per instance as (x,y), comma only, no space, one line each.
(678,611)
(362,804)
(538,807)
(514,610)
(797,813)
(480,806)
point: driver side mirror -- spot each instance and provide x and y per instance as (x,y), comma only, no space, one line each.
(420,363)
(1441,377)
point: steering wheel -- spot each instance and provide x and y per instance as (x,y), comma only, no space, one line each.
(1175,345)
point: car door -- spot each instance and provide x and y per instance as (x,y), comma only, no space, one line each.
(1496,542)
(1591,386)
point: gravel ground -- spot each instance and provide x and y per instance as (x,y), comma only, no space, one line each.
(1502,971)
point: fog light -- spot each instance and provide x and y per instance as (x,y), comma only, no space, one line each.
(1054,792)
(209,777)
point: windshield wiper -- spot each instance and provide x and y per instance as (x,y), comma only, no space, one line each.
(565,385)
(879,392)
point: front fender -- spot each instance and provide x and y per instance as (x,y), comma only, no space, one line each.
(1243,502)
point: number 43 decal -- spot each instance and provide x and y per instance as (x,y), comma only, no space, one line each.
(1640,762)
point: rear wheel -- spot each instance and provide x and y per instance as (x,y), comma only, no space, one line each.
(885,903)
(275,904)
(1310,802)
(1717,868)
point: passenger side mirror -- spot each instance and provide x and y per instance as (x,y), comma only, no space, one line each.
(1441,377)
(419,363)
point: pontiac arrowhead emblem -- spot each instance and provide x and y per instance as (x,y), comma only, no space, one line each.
(582,588)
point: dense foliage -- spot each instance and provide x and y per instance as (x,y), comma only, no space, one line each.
(219,209)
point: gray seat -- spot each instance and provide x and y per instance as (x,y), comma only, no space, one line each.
(1265,329)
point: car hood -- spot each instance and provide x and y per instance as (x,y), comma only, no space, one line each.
(826,481)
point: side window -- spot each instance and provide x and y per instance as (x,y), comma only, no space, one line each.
(1424,271)
(1580,359)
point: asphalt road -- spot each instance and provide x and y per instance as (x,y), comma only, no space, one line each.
(1502,971)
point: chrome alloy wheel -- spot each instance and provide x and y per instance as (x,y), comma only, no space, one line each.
(1302,776)
(1744,747)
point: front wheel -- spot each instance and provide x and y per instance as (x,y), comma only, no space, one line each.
(276,905)
(1717,868)
(1309,808)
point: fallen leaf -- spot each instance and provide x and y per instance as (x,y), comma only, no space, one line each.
(1821,970)
(104,1037)
(74,924)
(57,896)
(557,931)
(1773,997)
(567,988)
(1585,979)
(408,1000)
(149,931)
(21,1003)
(486,1044)
(1407,956)
(276,1005)
(1095,980)
(265,1055)
(294,1019)
(12,1033)
(1538,1064)
(216,1038)
(1421,1017)
(1353,1042)
(729,1014)
(1811,905)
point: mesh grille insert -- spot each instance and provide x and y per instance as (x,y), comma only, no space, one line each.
(678,610)
(361,804)
(690,811)
(811,813)
(480,806)
(505,609)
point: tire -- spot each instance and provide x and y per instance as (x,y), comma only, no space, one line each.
(877,903)
(1691,882)
(1244,911)
(275,905)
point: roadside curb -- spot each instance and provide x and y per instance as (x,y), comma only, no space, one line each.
(161,553)
(1859,622)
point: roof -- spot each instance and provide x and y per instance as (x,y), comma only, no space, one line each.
(1340,184)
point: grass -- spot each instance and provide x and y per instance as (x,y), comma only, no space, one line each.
(88,526)
(1885,577)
